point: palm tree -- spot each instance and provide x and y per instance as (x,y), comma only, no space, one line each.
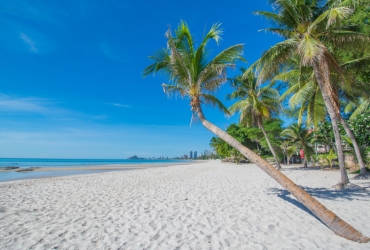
(255,104)
(310,29)
(194,76)
(288,150)
(305,99)
(302,138)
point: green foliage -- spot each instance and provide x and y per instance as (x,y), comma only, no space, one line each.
(288,149)
(210,157)
(191,71)
(315,159)
(252,138)
(328,159)
(311,30)
(324,134)
(254,103)
(360,21)
(236,155)
(301,137)
(305,98)
(273,128)
(360,126)
(240,133)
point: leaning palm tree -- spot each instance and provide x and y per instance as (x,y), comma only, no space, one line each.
(302,138)
(194,76)
(255,104)
(310,29)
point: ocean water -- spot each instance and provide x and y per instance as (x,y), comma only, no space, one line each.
(63,163)
(60,163)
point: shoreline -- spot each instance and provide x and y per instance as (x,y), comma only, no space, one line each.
(53,172)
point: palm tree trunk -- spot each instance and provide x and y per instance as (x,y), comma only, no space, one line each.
(331,220)
(321,73)
(286,159)
(305,163)
(355,145)
(270,146)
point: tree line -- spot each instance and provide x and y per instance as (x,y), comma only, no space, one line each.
(321,62)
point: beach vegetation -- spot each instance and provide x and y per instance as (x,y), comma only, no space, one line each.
(302,138)
(254,105)
(328,159)
(288,150)
(310,30)
(241,134)
(193,75)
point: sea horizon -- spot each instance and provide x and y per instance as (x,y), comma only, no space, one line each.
(55,167)
(68,162)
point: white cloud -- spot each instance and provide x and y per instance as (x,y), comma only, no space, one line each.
(120,105)
(31,43)
(12,104)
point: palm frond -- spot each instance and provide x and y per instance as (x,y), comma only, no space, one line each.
(161,59)
(309,49)
(171,90)
(230,55)
(210,99)
(365,104)
(272,60)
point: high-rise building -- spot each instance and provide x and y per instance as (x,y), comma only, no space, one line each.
(191,155)
(195,154)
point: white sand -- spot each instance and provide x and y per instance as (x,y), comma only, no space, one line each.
(202,206)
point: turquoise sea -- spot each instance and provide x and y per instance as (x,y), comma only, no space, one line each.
(63,163)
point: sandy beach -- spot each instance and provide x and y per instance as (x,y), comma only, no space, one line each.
(209,205)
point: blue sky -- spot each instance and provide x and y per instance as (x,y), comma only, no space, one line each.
(71,83)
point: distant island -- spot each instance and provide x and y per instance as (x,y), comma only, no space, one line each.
(135,158)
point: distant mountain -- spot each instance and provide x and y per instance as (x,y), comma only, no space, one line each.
(135,158)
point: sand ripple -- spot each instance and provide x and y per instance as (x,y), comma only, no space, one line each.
(200,206)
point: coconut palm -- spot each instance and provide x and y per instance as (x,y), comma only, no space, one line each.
(288,150)
(310,30)
(196,77)
(255,104)
(302,138)
(305,99)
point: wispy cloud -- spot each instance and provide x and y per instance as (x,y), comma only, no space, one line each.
(31,43)
(34,105)
(120,105)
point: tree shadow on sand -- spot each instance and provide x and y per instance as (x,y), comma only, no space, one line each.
(322,193)
(288,168)
(310,168)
